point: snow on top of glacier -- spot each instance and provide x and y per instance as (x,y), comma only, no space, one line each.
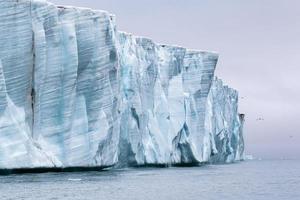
(71,7)
(198,51)
(213,53)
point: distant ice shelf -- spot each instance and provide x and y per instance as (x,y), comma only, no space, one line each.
(75,92)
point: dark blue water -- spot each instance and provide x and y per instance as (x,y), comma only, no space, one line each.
(253,180)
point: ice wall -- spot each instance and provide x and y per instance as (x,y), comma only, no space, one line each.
(224,123)
(60,73)
(76,92)
(164,91)
(75,84)
(17,148)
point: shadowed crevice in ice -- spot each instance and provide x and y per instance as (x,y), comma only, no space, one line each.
(182,148)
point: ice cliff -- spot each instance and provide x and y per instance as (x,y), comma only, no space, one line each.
(75,92)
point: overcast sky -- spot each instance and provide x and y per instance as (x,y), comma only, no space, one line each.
(259,46)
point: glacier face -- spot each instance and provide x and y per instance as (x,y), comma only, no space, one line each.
(164,91)
(224,123)
(74,91)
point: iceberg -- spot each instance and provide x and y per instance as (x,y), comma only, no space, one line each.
(76,92)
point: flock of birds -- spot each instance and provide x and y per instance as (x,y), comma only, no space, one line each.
(259,118)
(262,119)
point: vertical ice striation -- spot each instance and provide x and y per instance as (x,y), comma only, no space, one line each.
(75,84)
(197,75)
(76,92)
(164,92)
(144,112)
(225,123)
(17,148)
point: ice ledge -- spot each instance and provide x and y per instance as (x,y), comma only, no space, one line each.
(164,45)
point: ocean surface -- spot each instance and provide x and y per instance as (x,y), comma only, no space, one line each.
(253,180)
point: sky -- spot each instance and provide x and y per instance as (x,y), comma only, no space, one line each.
(259,46)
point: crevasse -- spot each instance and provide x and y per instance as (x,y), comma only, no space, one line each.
(75,92)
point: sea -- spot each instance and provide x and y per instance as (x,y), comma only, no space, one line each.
(253,180)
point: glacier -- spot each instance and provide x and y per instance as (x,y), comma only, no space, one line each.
(76,92)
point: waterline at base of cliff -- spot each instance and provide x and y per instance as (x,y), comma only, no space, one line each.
(259,180)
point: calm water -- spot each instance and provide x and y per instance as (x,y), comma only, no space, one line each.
(251,180)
